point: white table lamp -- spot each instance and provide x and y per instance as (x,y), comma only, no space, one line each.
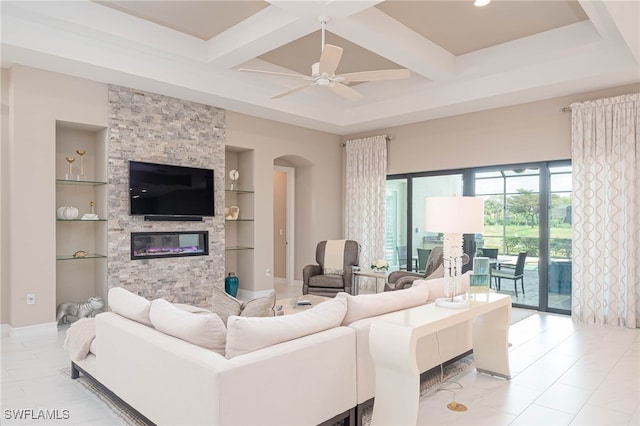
(453,216)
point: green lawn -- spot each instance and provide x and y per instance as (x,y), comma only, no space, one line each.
(525,238)
(523,231)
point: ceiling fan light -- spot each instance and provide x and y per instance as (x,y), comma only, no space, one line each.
(480,3)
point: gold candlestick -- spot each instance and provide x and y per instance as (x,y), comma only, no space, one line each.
(92,205)
(70,160)
(81,153)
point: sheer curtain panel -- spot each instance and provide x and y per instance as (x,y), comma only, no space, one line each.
(366,171)
(605,148)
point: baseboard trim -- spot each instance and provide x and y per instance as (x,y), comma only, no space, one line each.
(49,328)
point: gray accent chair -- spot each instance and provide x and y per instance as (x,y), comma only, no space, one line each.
(399,280)
(315,281)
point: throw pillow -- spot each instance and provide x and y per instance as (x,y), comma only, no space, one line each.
(371,305)
(226,305)
(260,306)
(206,330)
(245,334)
(129,305)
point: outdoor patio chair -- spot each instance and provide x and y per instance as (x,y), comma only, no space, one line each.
(423,255)
(511,272)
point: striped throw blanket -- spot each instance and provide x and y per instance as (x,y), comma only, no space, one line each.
(334,257)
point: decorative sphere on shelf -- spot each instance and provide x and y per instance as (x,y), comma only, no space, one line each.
(67,212)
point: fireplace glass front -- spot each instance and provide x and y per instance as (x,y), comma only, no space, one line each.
(148,245)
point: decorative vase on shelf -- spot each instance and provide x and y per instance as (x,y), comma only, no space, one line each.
(67,212)
(81,153)
(231,284)
(69,175)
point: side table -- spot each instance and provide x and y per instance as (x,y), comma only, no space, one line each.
(370,274)
(393,340)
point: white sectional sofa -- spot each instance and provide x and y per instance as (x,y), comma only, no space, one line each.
(312,367)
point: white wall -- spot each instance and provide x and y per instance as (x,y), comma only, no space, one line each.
(279,224)
(4,197)
(536,131)
(32,100)
(317,157)
(38,99)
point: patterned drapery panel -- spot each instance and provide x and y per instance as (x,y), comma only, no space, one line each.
(366,172)
(605,148)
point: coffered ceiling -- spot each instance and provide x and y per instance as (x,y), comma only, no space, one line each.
(462,58)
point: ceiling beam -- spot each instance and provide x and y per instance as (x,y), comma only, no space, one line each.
(266,30)
(625,17)
(376,31)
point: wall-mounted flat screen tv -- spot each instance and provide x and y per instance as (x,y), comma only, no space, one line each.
(165,190)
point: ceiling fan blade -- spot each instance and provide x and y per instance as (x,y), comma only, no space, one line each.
(330,59)
(376,75)
(272,72)
(290,91)
(345,91)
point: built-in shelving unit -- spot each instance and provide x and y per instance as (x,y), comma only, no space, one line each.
(84,184)
(240,232)
(239,239)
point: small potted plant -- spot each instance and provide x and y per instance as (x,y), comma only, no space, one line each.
(380,265)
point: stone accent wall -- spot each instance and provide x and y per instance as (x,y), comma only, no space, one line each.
(158,129)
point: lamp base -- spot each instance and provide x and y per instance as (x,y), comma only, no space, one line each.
(455,303)
(456,406)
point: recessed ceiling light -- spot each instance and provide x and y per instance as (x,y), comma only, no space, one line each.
(480,3)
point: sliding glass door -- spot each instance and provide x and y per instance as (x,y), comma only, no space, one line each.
(428,186)
(527,216)
(559,266)
(512,230)
(395,223)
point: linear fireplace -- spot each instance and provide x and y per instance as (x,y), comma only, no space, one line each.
(149,245)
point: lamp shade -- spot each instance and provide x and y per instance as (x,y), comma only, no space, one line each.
(459,215)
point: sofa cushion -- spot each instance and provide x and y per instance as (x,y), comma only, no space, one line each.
(371,305)
(191,308)
(129,305)
(331,281)
(260,306)
(206,330)
(226,305)
(436,286)
(246,334)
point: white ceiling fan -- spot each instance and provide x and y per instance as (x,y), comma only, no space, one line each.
(323,73)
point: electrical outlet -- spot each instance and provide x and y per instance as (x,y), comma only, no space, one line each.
(31,298)
(267,272)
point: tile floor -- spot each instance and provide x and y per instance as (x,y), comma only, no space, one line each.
(564,373)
